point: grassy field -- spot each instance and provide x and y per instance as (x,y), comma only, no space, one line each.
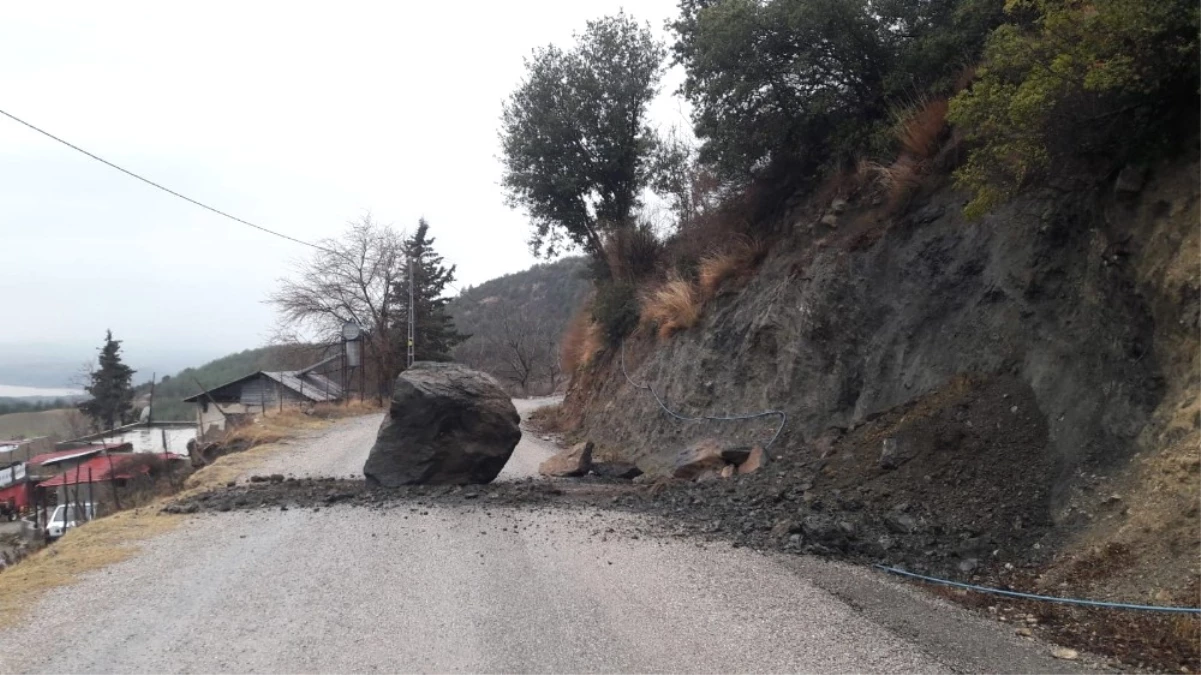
(43,423)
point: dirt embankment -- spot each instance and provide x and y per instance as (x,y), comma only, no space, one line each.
(1037,371)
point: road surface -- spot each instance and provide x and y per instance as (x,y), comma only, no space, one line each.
(434,589)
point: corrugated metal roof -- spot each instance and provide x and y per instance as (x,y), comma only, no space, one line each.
(64,455)
(315,387)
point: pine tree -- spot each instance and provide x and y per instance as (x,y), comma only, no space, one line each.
(434,333)
(111,388)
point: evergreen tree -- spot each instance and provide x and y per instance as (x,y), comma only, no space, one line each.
(434,333)
(111,388)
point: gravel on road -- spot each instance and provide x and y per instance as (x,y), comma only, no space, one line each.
(469,584)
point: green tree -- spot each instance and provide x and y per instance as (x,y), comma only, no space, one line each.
(1096,83)
(110,387)
(574,137)
(791,86)
(434,330)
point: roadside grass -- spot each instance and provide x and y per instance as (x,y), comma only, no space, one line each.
(115,538)
(98,544)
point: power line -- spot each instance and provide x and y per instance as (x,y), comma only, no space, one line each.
(161,187)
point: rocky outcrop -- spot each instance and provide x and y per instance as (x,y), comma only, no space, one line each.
(573,462)
(447,424)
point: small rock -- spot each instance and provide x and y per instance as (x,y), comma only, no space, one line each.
(830,220)
(755,460)
(1065,654)
(1013,409)
(1130,180)
(1024,632)
(728,471)
(574,462)
(616,469)
(900,523)
(781,528)
(736,454)
(838,206)
(968,565)
(893,453)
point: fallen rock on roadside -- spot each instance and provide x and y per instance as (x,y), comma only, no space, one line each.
(616,469)
(448,424)
(571,463)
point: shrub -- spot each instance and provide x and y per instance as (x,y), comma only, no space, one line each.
(1104,82)
(737,259)
(898,180)
(672,306)
(919,128)
(615,310)
(793,86)
(633,252)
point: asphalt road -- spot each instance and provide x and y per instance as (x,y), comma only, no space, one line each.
(435,589)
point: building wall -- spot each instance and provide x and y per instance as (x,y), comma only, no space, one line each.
(211,421)
(173,439)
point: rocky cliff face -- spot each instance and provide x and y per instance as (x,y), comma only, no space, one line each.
(1031,365)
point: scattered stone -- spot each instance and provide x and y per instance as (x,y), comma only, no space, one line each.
(1065,654)
(736,454)
(968,564)
(928,214)
(783,527)
(830,220)
(1024,632)
(755,460)
(892,454)
(1130,180)
(686,464)
(728,471)
(571,463)
(448,424)
(838,206)
(616,469)
(899,523)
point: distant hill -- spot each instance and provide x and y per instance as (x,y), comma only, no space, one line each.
(515,323)
(171,390)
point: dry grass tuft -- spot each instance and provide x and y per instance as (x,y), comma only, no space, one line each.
(920,127)
(899,181)
(102,542)
(672,306)
(580,342)
(737,259)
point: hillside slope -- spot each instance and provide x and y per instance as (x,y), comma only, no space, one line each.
(515,322)
(1037,369)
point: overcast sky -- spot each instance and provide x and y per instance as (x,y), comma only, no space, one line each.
(298,117)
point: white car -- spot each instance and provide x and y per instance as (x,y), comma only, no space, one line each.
(66,516)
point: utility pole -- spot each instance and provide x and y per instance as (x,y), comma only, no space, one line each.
(412,314)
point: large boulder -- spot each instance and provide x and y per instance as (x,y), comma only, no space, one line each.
(448,424)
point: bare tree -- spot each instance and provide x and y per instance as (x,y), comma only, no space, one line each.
(351,278)
(524,349)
